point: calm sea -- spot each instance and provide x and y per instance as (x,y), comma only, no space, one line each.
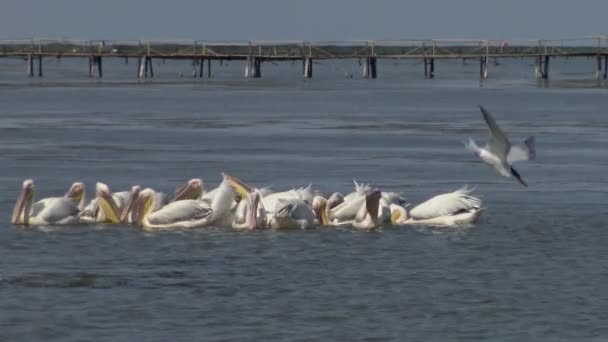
(533,269)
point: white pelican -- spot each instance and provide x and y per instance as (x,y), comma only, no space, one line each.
(344,210)
(499,153)
(291,213)
(48,211)
(367,215)
(107,206)
(193,189)
(250,214)
(453,208)
(186,213)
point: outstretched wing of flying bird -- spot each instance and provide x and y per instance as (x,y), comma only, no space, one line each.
(499,143)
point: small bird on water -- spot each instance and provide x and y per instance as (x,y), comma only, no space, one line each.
(499,153)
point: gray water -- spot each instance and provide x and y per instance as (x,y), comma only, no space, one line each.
(534,268)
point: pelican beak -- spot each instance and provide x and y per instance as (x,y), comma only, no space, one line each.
(324,217)
(192,190)
(395,216)
(135,190)
(21,212)
(144,204)
(255,200)
(321,209)
(372,202)
(243,190)
(107,203)
(76,193)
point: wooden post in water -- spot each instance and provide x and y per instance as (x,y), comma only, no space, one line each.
(598,70)
(99,67)
(372,67)
(151,68)
(307,67)
(146,67)
(140,67)
(208,67)
(426,68)
(546,68)
(432,68)
(91,63)
(257,67)
(39,65)
(483,68)
(248,67)
(29,68)
(605,67)
(366,68)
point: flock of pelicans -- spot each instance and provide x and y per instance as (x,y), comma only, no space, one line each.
(235,204)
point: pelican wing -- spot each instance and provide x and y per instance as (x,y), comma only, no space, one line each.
(360,189)
(523,151)
(499,143)
(121,198)
(271,201)
(184,210)
(348,209)
(446,204)
(223,200)
(54,209)
(394,198)
(162,199)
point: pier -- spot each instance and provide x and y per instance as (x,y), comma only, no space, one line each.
(370,54)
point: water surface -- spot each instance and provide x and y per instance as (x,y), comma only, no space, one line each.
(532,269)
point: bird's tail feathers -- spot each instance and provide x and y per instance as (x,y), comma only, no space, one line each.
(471,145)
(530,143)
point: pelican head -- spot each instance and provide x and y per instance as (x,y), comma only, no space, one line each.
(23,206)
(321,209)
(135,190)
(192,190)
(243,190)
(398,214)
(144,205)
(76,193)
(107,203)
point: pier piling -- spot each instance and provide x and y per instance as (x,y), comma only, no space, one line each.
(99,67)
(307,67)
(546,68)
(432,68)
(91,63)
(30,65)
(369,68)
(483,68)
(598,70)
(605,75)
(140,67)
(151,67)
(39,65)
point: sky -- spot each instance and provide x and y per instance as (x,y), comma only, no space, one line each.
(311,20)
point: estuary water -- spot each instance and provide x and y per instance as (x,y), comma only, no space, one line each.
(534,268)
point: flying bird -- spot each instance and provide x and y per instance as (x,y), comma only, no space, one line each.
(499,153)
